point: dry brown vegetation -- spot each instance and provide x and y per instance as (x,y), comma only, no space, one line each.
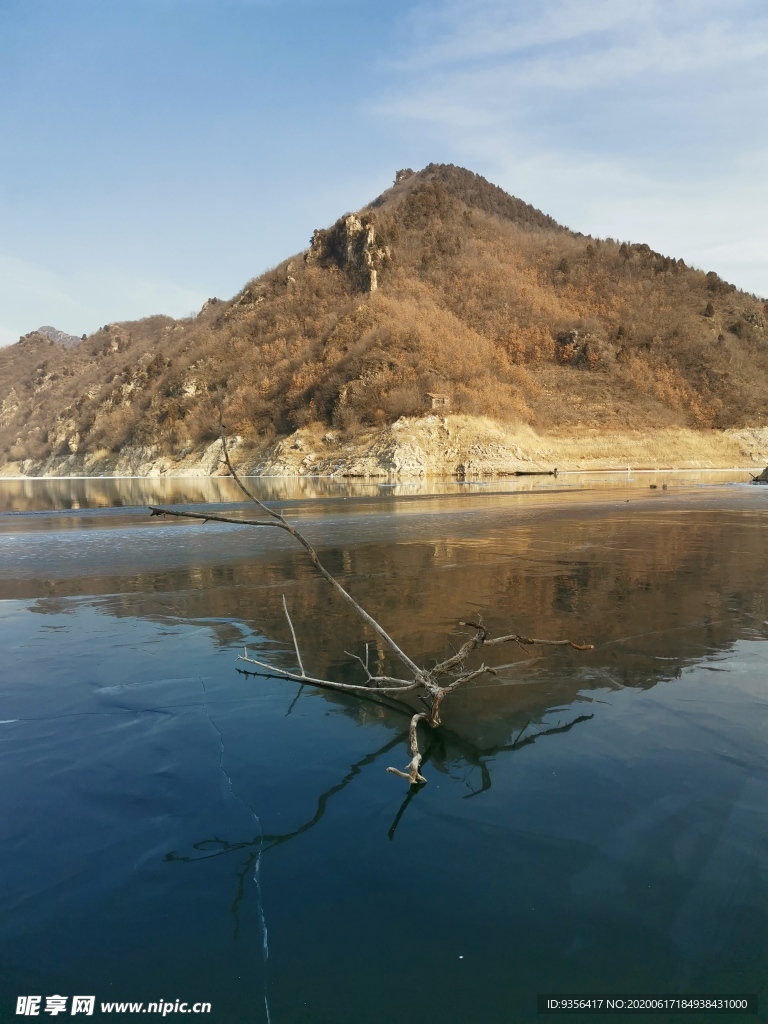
(479,296)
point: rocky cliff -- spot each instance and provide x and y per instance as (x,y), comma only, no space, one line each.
(352,246)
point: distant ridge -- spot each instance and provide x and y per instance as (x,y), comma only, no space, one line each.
(60,337)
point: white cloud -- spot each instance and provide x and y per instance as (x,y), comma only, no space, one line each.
(627,35)
(494,62)
(634,118)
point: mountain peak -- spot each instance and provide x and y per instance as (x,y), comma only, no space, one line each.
(472,190)
(60,337)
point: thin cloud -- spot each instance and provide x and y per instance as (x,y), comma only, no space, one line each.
(451,33)
(490,56)
(642,114)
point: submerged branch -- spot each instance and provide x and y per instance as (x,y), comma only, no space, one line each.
(412,773)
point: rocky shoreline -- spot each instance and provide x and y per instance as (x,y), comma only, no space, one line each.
(460,446)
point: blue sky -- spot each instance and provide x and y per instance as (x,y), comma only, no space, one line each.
(156,152)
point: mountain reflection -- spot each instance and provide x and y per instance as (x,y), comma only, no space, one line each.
(34,495)
(653,590)
(50,493)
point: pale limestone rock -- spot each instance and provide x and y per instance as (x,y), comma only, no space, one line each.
(9,408)
(351,244)
(411,449)
(753,442)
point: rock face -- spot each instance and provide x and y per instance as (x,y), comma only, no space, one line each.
(60,337)
(752,442)
(461,446)
(464,447)
(8,408)
(755,318)
(131,461)
(351,245)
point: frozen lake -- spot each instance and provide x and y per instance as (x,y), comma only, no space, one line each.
(593,822)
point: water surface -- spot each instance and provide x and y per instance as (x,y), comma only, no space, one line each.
(592,821)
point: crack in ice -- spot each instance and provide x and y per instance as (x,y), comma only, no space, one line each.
(257,867)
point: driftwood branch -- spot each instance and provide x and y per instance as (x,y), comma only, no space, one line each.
(401,685)
(432,690)
(279,522)
(412,773)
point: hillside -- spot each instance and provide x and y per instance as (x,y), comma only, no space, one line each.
(444,285)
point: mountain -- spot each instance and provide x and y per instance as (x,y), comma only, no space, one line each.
(445,292)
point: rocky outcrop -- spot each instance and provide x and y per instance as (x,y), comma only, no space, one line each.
(755,318)
(9,407)
(461,446)
(352,245)
(60,337)
(752,442)
(464,447)
(131,461)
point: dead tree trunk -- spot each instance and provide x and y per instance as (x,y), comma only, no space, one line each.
(430,685)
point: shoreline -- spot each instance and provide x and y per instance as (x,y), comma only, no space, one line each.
(363,520)
(488,480)
(459,447)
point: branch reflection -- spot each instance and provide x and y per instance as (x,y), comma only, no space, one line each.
(443,749)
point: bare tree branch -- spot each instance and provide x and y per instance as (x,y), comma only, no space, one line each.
(280,523)
(228,463)
(426,680)
(293,634)
(412,773)
(403,685)
(527,640)
(210,517)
